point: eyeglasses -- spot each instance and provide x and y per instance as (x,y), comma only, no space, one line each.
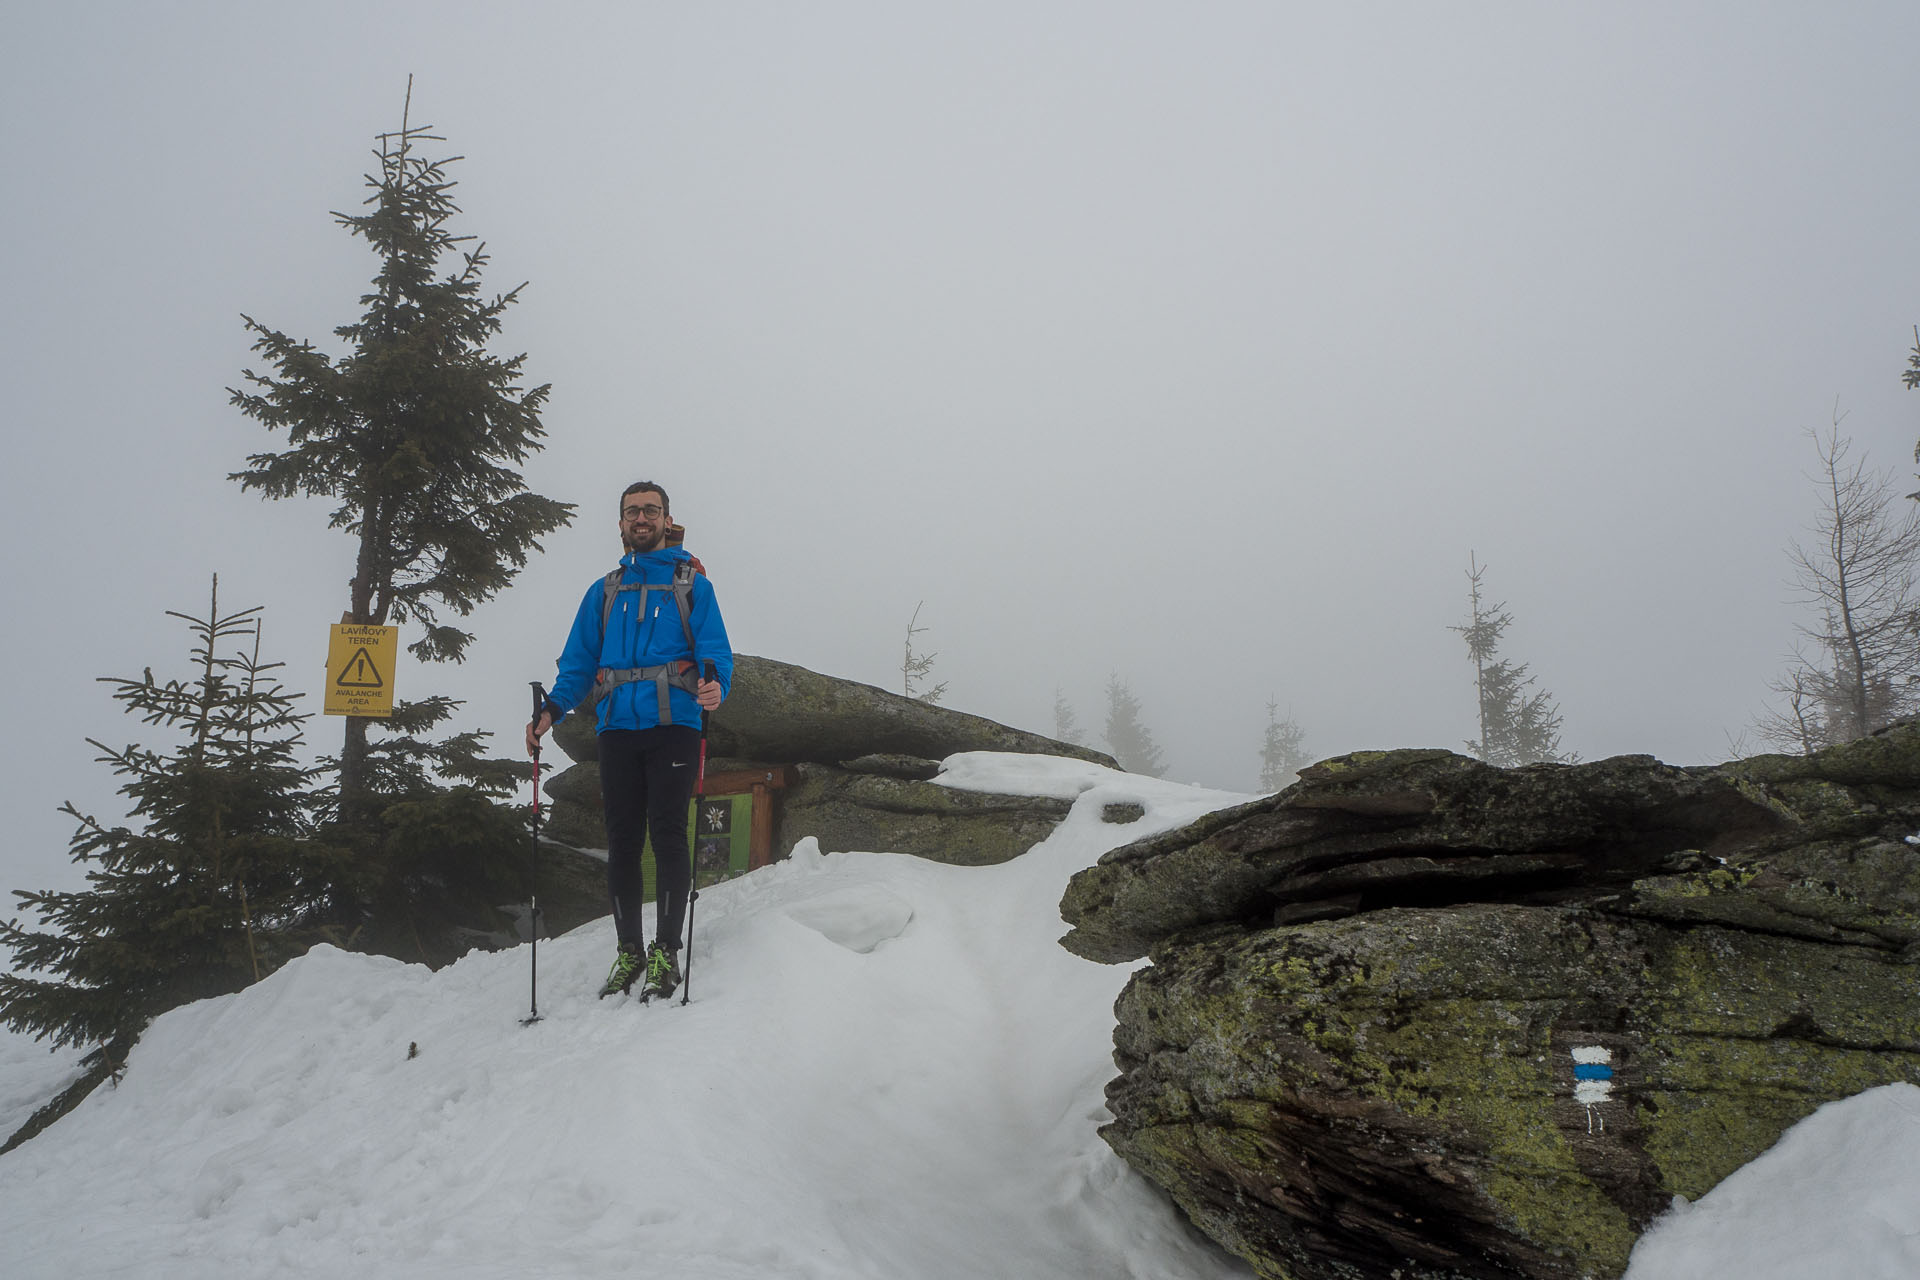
(652,511)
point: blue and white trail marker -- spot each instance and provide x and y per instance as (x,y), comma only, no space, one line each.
(1592,1080)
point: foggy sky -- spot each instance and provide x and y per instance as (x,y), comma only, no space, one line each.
(1200,344)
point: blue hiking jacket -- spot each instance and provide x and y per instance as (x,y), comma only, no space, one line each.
(633,641)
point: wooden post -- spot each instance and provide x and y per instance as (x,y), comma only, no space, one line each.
(760,841)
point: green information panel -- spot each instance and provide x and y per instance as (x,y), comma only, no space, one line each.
(718,829)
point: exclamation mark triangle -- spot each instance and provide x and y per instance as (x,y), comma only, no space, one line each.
(360,672)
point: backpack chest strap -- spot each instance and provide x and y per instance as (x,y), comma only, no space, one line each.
(672,675)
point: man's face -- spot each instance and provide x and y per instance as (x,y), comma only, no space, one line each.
(643,521)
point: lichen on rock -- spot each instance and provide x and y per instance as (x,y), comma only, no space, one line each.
(1417,1013)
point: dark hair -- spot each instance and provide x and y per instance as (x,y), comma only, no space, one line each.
(666,503)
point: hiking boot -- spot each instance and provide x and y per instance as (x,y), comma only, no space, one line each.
(627,964)
(663,971)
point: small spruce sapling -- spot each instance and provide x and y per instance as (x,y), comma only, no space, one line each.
(217,882)
(915,667)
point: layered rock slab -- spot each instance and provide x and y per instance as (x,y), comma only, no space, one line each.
(861,760)
(786,714)
(1418,1014)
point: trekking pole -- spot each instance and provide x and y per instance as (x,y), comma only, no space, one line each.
(533,892)
(693,878)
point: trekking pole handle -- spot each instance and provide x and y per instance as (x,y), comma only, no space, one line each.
(700,774)
(539,706)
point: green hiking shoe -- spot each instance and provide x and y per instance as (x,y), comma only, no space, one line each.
(663,971)
(627,963)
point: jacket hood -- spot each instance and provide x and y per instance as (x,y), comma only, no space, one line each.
(664,557)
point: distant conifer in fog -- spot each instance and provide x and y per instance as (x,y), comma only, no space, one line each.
(1127,738)
(1066,725)
(1516,727)
(1284,753)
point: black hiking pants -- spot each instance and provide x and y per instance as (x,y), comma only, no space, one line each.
(646,783)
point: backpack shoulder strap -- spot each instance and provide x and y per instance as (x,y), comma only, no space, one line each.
(683,600)
(682,675)
(609,591)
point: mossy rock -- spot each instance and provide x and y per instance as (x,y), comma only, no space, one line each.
(1358,1048)
(780,712)
(876,810)
(1399,828)
(1398,1089)
(869,812)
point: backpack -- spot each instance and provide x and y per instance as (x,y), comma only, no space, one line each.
(682,674)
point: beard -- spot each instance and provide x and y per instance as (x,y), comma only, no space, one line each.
(644,542)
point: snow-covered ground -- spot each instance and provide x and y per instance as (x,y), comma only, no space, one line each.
(30,1076)
(1838,1196)
(888,1069)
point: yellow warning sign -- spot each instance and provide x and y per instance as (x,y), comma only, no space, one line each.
(360,664)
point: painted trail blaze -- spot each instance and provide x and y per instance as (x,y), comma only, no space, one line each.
(1592,1080)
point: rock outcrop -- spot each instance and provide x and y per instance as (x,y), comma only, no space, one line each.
(846,810)
(1419,1016)
(862,759)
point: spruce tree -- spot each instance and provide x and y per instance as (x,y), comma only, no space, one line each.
(1127,738)
(1516,727)
(1284,752)
(443,853)
(416,432)
(217,882)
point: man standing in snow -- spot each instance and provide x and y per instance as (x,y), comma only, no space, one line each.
(639,643)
